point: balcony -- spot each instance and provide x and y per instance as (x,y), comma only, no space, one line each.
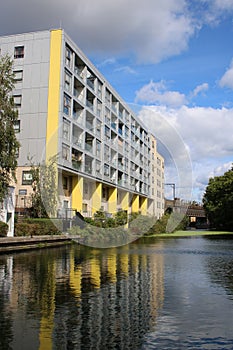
(88,147)
(89,104)
(88,169)
(77,165)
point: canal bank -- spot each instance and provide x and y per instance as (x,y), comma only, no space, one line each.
(189,233)
(10,244)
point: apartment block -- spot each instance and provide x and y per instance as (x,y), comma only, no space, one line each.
(107,158)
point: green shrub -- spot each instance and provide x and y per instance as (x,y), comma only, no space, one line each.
(37,227)
(3,229)
(25,229)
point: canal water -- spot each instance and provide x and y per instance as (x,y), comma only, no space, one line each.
(150,294)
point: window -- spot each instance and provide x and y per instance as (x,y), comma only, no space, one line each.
(18,75)
(67,81)
(17,100)
(19,52)
(98,148)
(106,153)
(68,57)
(106,170)
(26,177)
(17,126)
(66,104)
(22,192)
(66,129)
(65,152)
(98,167)
(106,132)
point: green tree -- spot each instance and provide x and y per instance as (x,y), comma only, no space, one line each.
(218,201)
(9,144)
(44,184)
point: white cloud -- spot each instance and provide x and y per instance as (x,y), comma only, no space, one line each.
(221,169)
(224,5)
(125,69)
(150,30)
(107,62)
(200,88)
(205,134)
(156,93)
(227,78)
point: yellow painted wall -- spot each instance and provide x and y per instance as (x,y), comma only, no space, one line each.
(97,197)
(53,94)
(77,192)
(112,202)
(125,201)
(135,203)
(143,207)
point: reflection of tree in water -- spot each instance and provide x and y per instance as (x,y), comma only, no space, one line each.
(220,265)
(6,320)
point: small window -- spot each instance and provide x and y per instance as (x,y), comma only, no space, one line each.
(66,129)
(17,100)
(67,81)
(66,105)
(27,177)
(106,170)
(65,152)
(22,192)
(18,75)
(19,52)
(68,57)
(17,126)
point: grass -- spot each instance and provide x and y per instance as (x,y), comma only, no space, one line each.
(190,233)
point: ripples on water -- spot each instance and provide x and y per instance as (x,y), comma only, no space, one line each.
(152,294)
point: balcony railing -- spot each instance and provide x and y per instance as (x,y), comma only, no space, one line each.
(89,104)
(77,165)
(88,147)
(90,83)
(88,169)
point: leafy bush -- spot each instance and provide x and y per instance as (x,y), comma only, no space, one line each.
(37,227)
(3,229)
(161,225)
(25,229)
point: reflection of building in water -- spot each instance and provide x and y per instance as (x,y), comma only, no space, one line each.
(106,301)
(117,298)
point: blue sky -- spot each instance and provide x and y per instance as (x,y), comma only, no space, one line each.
(170,60)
